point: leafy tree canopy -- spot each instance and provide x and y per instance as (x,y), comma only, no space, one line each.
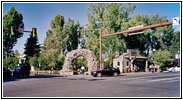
(10,62)
(163,58)
(62,38)
(12,18)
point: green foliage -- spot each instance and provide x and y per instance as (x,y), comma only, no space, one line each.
(110,18)
(71,31)
(152,39)
(62,38)
(43,63)
(162,36)
(109,61)
(32,48)
(60,63)
(137,41)
(51,51)
(79,62)
(175,43)
(12,18)
(10,62)
(67,32)
(163,58)
(34,62)
(115,17)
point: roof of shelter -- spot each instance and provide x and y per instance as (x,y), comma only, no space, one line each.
(127,55)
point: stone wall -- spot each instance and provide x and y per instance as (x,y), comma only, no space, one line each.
(89,55)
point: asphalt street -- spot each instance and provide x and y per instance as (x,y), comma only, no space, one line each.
(148,85)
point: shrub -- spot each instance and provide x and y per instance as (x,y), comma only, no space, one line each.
(163,58)
(10,62)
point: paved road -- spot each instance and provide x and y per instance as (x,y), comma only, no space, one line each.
(126,85)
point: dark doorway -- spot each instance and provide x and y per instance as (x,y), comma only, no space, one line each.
(140,65)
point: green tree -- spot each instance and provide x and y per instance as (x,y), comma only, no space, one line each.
(137,41)
(34,62)
(60,63)
(12,18)
(43,63)
(32,48)
(10,62)
(67,32)
(51,51)
(163,58)
(161,36)
(62,38)
(152,39)
(175,43)
(115,17)
(71,31)
(110,18)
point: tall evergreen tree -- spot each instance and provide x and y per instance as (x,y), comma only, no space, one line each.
(32,48)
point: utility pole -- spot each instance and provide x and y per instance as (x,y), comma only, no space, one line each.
(130,31)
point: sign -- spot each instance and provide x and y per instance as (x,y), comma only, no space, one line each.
(20,30)
(152,59)
(140,26)
(133,53)
(175,21)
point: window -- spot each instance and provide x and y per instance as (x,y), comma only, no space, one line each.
(118,63)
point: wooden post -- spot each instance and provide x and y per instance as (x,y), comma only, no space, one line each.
(139,29)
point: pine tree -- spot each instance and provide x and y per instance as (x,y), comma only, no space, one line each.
(32,48)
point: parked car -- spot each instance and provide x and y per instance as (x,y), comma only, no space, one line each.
(174,69)
(6,73)
(22,71)
(106,71)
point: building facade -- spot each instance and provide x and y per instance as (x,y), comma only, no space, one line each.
(131,61)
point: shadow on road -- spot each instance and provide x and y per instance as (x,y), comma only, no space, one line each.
(112,76)
(58,76)
(31,77)
(86,79)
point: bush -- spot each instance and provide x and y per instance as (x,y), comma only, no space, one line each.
(163,58)
(10,62)
(34,62)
